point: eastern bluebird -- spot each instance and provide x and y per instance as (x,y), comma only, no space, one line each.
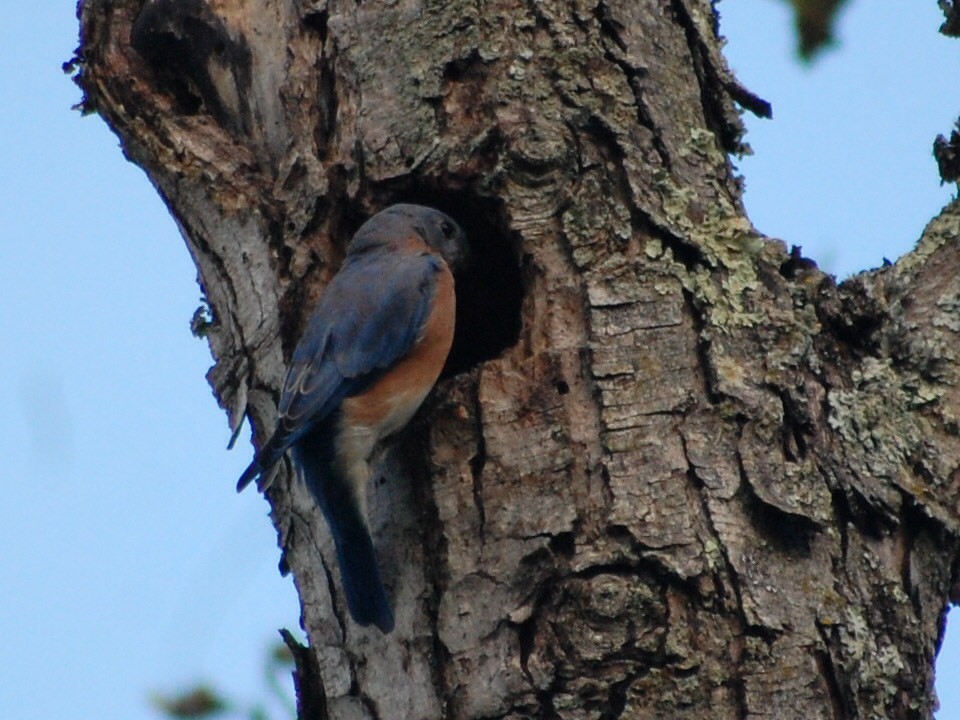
(371,351)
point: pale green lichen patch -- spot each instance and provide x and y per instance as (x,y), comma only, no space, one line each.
(872,663)
(791,347)
(873,421)
(704,143)
(653,249)
(727,242)
(948,308)
(926,359)
(944,228)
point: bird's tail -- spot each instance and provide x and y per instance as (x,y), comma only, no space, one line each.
(362,586)
(344,510)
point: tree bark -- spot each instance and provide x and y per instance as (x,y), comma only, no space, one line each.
(674,470)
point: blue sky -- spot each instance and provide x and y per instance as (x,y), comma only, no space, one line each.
(128,565)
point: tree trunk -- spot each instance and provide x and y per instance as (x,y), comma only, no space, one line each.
(673,470)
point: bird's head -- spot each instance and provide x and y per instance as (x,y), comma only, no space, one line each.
(435,228)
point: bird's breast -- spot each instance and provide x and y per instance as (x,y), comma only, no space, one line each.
(389,403)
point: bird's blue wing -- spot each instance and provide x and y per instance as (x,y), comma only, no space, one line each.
(368,318)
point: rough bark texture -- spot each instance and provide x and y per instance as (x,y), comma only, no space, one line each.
(674,471)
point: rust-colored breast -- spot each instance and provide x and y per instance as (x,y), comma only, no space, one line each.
(390,402)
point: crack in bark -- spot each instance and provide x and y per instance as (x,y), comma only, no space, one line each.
(328,574)
(714,81)
(437,575)
(477,463)
(634,76)
(367,703)
(793,441)
(617,697)
(308,683)
(222,278)
(713,395)
(828,672)
(911,521)
(739,687)
(842,519)
(699,489)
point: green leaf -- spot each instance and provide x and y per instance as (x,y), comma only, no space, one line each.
(814,20)
(200,702)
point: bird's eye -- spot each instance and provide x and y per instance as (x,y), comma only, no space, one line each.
(446,227)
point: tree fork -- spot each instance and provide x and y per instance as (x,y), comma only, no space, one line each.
(674,470)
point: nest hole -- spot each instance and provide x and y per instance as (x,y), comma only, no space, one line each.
(490,286)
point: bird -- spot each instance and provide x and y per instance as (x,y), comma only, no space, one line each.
(372,349)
